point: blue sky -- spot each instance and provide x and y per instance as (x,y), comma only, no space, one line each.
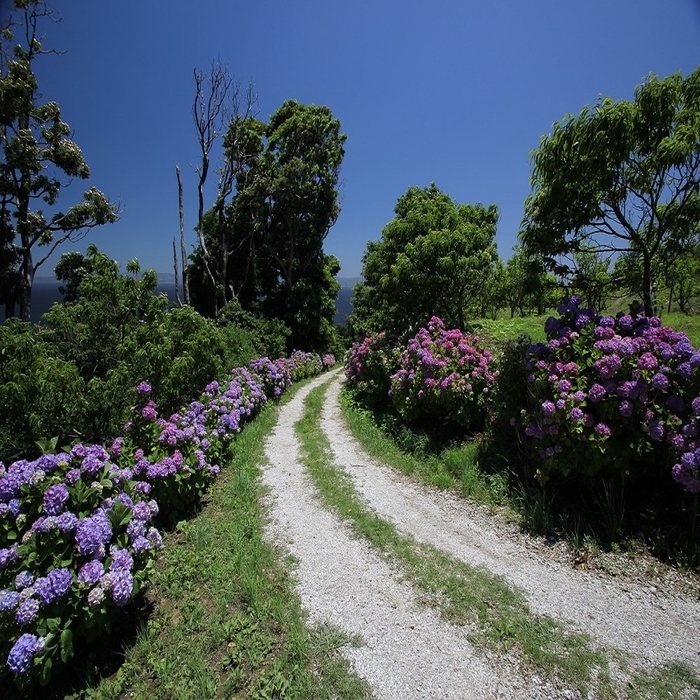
(452,92)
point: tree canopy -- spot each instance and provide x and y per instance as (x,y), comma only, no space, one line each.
(269,234)
(434,258)
(620,177)
(35,153)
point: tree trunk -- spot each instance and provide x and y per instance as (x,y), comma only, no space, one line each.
(183,248)
(177,284)
(647,295)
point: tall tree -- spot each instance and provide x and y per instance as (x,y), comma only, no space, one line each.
(620,176)
(35,153)
(268,236)
(434,258)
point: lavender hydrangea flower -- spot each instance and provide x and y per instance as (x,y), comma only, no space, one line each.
(143,389)
(23,580)
(92,532)
(55,498)
(54,585)
(8,600)
(655,430)
(548,408)
(8,555)
(602,429)
(597,392)
(22,653)
(659,381)
(122,583)
(27,611)
(121,559)
(91,572)
(576,414)
(96,596)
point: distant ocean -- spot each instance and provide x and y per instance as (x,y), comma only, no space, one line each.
(45,293)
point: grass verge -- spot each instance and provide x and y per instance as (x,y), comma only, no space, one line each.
(225,622)
(496,614)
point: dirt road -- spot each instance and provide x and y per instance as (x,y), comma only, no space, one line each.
(407,649)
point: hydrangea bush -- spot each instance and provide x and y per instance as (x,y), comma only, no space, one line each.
(77,544)
(444,373)
(613,395)
(369,365)
(77,534)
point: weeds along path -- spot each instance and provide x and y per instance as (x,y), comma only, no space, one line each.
(651,627)
(405,650)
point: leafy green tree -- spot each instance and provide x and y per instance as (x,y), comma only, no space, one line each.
(620,176)
(683,279)
(591,278)
(36,153)
(434,258)
(268,236)
(72,269)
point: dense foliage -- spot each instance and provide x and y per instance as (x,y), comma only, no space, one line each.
(36,157)
(267,237)
(78,533)
(621,177)
(434,259)
(73,377)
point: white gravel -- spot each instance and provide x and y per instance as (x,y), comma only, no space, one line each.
(408,651)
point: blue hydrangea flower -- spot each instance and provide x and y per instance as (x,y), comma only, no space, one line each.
(55,498)
(122,583)
(20,657)
(8,600)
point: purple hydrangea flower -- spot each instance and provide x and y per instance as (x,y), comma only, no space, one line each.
(548,408)
(27,611)
(55,498)
(122,583)
(91,572)
(647,361)
(121,559)
(602,429)
(53,586)
(8,555)
(696,406)
(92,532)
(24,580)
(20,657)
(95,596)
(655,430)
(72,476)
(597,392)
(67,522)
(8,600)
(143,389)
(659,381)
(576,414)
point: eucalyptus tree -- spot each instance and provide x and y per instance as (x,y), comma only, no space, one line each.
(620,177)
(35,153)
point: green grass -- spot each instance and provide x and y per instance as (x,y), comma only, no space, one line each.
(224,620)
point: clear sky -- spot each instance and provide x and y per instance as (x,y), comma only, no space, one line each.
(454,92)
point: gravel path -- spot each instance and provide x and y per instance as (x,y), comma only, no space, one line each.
(408,651)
